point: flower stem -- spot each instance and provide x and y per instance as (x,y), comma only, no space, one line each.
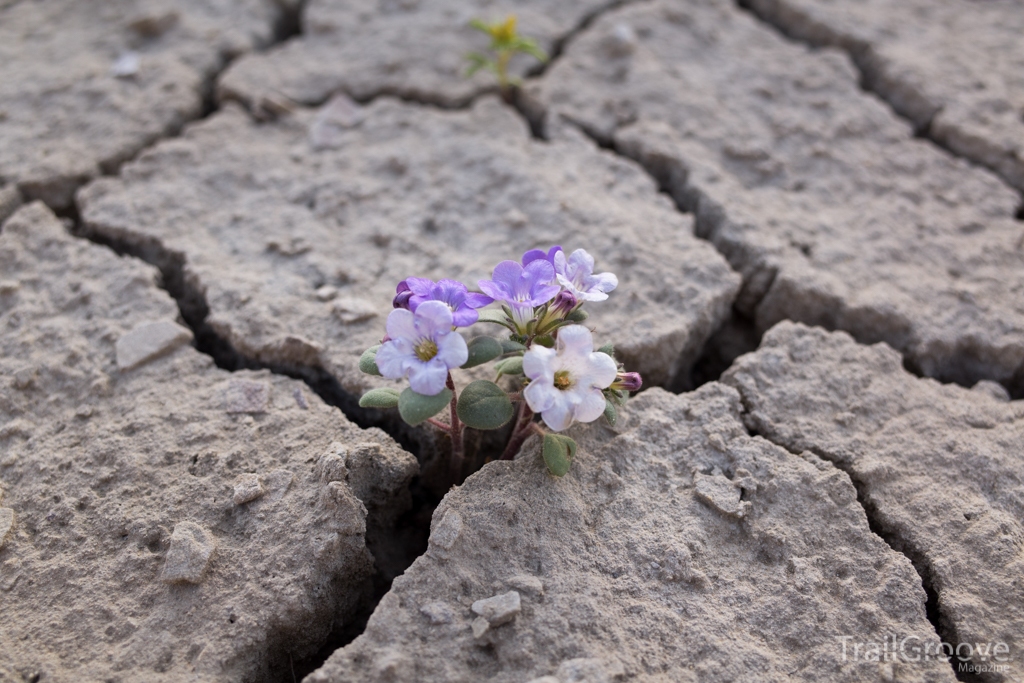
(519,432)
(455,430)
(440,425)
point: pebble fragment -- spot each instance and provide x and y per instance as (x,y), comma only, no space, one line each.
(499,609)
(148,341)
(191,548)
(721,494)
(437,613)
(248,488)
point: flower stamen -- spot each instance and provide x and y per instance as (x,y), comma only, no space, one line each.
(426,350)
(563,380)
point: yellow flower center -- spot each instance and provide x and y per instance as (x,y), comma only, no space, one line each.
(562,380)
(426,350)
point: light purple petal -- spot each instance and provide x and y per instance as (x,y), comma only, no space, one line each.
(507,273)
(495,290)
(428,378)
(536,273)
(580,262)
(419,286)
(392,358)
(544,293)
(575,340)
(433,318)
(452,349)
(559,416)
(401,324)
(590,407)
(474,300)
(540,395)
(464,317)
(538,363)
(603,282)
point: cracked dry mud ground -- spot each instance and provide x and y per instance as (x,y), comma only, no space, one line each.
(276,167)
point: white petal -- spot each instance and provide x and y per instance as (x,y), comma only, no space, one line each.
(433,318)
(600,372)
(452,349)
(428,378)
(559,416)
(591,406)
(538,363)
(392,358)
(575,340)
(401,325)
(540,395)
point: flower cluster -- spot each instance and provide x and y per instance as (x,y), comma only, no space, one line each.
(547,350)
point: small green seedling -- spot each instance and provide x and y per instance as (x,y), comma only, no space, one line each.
(505,43)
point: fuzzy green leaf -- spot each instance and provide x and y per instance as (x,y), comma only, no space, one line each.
(558,453)
(368,361)
(509,346)
(545,340)
(608,349)
(510,366)
(484,405)
(385,397)
(610,413)
(416,408)
(481,350)
(493,315)
(577,315)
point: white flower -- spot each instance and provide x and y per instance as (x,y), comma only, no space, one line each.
(576,275)
(423,346)
(566,381)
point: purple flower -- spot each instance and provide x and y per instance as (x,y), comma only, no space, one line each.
(576,275)
(413,291)
(522,288)
(535,254)
(422,346)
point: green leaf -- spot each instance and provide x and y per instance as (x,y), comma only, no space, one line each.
(415,408)
(368,361)
(558,453)
(476,62)
(480,25)
(610,413)
(385,397)
(608,349)
(545,340)
(481,350)
(509,346)
(530,47)
(577,315)
(484,405)
(510,366)
(495,316)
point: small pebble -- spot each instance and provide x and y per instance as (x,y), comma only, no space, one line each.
(437,613)
(480,627)
(499,609)
(189,554)
(247,489)
(126,66)
(148,341)
(447,530)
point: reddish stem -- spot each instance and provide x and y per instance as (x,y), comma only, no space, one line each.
(520,432)
(456,430)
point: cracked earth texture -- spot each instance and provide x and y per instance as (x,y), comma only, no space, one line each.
(268,171)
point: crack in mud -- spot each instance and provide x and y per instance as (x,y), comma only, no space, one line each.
(859,54)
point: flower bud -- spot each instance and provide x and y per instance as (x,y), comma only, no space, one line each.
(564,303)
(402,296)
(627,381)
